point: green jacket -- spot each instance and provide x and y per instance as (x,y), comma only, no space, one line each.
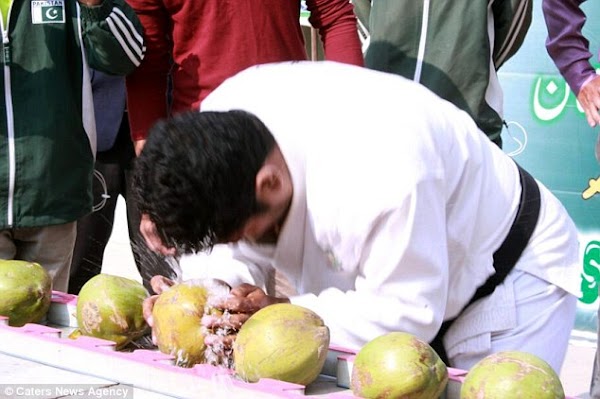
(446,45)
(48,134)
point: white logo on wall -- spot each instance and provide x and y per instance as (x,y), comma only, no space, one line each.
(48,12)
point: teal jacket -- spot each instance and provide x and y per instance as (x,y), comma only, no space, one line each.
(47,127)
(452,47)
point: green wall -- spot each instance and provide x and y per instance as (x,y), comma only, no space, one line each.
(542,113)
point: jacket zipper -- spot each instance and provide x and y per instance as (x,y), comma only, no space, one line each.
(9,122)
(422,42)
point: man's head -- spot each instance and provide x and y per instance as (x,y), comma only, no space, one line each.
(211,177)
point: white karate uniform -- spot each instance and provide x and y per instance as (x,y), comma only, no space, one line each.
(399,203)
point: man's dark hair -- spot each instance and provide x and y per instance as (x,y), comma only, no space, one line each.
(195,177)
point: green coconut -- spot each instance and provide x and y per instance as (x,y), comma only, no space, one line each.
(110,307)
(282,341)
(25,292)
(398,365)
(512,374)
(177,314)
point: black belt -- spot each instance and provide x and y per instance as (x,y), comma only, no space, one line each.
(509,252)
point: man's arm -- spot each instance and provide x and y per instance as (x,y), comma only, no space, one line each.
(249,277)
(512,20)
(566,45)
(569,50)
(336,22)
(112,36)
(147,85)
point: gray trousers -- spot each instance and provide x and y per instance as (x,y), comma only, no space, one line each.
(50,246)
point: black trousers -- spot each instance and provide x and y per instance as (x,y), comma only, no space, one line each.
(95,229)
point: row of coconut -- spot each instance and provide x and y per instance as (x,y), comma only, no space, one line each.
(282,341)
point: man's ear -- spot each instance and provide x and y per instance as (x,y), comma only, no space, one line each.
(268,184)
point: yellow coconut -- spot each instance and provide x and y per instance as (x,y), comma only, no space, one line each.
(177,314)
(398,365)
(110,307)
(284,342)
(512,374)
(25,292)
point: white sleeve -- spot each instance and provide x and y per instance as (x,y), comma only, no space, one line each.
(227,263)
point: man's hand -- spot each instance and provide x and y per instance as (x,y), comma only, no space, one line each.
(153,240)
(159,284)
(589,98)
(138,146)
(242,302)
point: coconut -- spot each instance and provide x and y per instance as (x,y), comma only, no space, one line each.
(110,307)
(25,292)
(177,314)
(398,365)
(282,341)
(512,374)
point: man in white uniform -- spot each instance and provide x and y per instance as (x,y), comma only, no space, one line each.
(383,205)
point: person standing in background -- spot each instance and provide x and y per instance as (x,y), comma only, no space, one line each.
(570,51)
(196,45)
(452,47)
(48,134)
(113,173)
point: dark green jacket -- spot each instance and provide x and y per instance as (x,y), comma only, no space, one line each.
(448,48)
(47,129)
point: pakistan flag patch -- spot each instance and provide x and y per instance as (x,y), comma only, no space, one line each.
(48,11)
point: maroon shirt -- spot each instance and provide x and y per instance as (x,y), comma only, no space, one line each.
(211,40)
(567,46)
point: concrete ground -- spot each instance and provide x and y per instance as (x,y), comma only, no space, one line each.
(575,374)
